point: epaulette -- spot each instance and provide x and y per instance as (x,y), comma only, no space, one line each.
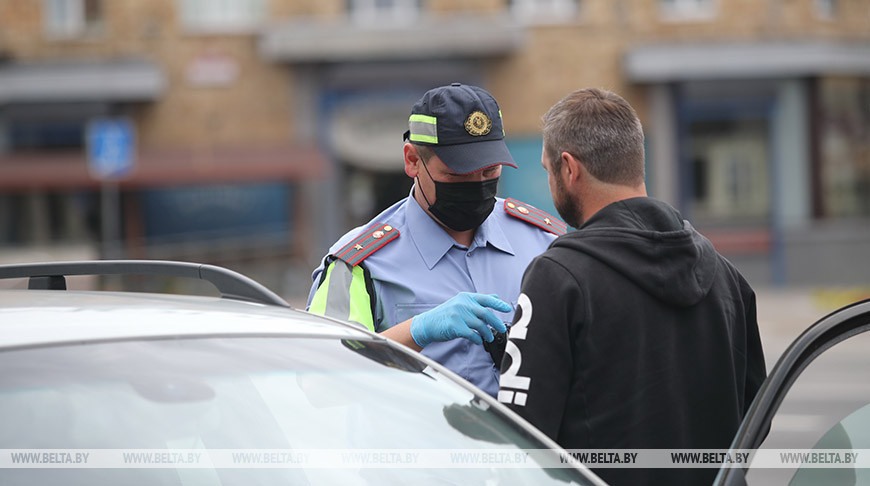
(369,241)
(535,216)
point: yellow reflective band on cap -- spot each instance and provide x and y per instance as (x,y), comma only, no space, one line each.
(423,138)
(423,119)
(424,128)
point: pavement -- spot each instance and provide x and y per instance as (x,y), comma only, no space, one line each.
(784,313)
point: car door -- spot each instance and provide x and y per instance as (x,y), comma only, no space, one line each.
(812,409)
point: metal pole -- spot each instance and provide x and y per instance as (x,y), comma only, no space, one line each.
(111,229)
(111,224)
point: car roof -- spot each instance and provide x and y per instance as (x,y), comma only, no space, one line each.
(43,317)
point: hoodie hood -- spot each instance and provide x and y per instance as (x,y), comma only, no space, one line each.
(648,242)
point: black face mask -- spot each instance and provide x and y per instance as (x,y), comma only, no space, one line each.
(462,206)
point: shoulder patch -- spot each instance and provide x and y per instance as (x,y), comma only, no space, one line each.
(535,216)
(369,241)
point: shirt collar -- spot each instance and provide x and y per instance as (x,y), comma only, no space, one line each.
(433,242)
(492,232)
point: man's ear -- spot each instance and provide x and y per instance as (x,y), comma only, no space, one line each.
(412,160)
(572,169)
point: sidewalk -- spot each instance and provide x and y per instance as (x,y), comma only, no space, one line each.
(784,313)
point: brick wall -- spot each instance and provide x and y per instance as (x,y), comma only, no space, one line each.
(252,109)
(256,107)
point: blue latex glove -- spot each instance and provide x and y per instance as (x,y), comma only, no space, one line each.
(465,315)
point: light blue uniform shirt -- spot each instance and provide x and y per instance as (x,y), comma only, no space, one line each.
(425,267)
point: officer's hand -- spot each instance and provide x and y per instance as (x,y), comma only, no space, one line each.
(465,315)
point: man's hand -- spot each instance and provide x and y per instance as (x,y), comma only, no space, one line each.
(465,315)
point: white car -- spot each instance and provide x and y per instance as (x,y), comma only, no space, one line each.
(134,388)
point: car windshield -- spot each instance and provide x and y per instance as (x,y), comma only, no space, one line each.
(251,396)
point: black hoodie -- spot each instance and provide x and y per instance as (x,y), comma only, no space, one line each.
(634,333)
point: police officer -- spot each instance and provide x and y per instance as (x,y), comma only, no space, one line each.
(440,270)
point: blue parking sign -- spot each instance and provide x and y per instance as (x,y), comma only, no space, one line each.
(111,147)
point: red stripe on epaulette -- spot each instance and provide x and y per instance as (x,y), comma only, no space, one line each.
(372,247)
(340,254)
(535,216)
(369,241)
(547,219)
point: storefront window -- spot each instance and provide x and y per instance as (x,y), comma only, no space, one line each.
(729,170)
(726,151)
(844,146)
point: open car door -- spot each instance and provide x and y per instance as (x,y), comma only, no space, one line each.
(815,400)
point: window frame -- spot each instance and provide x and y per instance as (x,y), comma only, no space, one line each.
(546,11)
(825,9)
(370,13)
(222,16)
(688,10)
(67,19)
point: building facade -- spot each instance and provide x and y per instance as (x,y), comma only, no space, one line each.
(283,119)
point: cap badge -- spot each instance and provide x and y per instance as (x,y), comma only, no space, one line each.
(478,124)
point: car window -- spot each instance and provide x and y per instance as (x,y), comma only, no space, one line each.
(826,408)
(247,394)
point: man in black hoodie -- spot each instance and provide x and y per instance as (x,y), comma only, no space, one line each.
(632,332)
